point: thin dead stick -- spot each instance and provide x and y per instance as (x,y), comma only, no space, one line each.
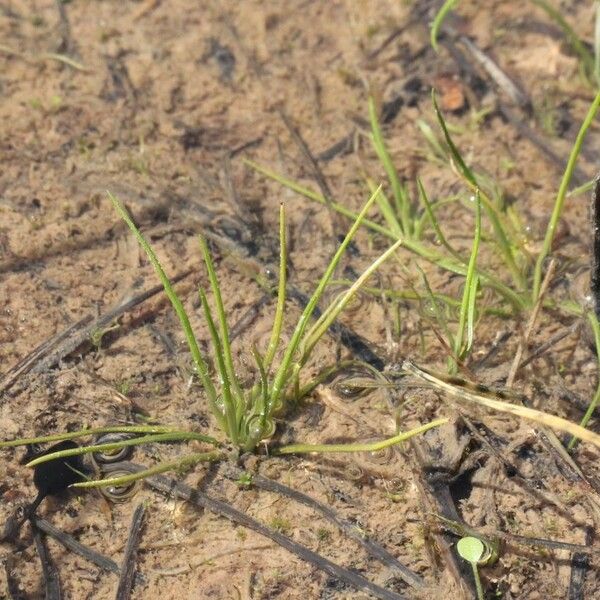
(12,585)
(126,580)
(580,565)
(26,364)
(480,395)
(313,165)
(534,486)
(557,337)
(498,76)
(58,347)
(437,499)
(185,492)
(372,547)
(249,316)
(73,545)
(530,324)
(308,156)
(51,580)
(64,27)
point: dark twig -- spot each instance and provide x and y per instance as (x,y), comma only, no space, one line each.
(341,147)
(73,545)
(185,492)
(65,44)
(557,337)
(12,585)
(26,364)
(417,13)
(51,580)
(248,317)
(129,559)
(373,548)
(498,76)
(521,126)
(437,499)
(58,347)
(580,564)
(317,173)
(308,156)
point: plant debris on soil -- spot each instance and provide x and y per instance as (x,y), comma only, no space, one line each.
(162,103)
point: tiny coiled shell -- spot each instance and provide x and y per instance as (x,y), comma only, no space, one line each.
(112,456)
(118,493)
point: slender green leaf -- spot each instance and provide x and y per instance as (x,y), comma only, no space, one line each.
(443,262)
(180,464)
(398,190)
(499,229)
(201,366)
(224,330)
(369,447)
(109,447)
(281,377)
(71,435)
(230,409)
(560,197)
(438,20)
(434,222)
(467,309)
(281,292)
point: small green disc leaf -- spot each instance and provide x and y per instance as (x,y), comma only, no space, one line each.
(471,549)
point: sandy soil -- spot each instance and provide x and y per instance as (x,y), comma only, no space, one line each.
(159,102)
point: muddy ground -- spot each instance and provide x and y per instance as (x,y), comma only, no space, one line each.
(159,102)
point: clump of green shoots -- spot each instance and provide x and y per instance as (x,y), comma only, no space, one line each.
(518,283)
(245,414)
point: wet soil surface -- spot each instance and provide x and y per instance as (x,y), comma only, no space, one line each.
(159,102)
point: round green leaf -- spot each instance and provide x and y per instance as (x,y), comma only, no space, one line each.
(471,549)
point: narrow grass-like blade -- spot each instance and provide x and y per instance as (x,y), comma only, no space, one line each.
(459,392)
(398,190)
(281,293)
(201,366)
(467,308)
(391,218)
(438,20)
(502,240)
(180,464)
(560,197)
(71,435)
(230,406)
(331,313)
(439,316)
(109,447)
(222,317)
(282,376)
(434,222)
(440,260)
(369,447)
(264,384)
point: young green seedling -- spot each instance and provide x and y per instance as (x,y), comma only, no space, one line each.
(244,413)
(472,550)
